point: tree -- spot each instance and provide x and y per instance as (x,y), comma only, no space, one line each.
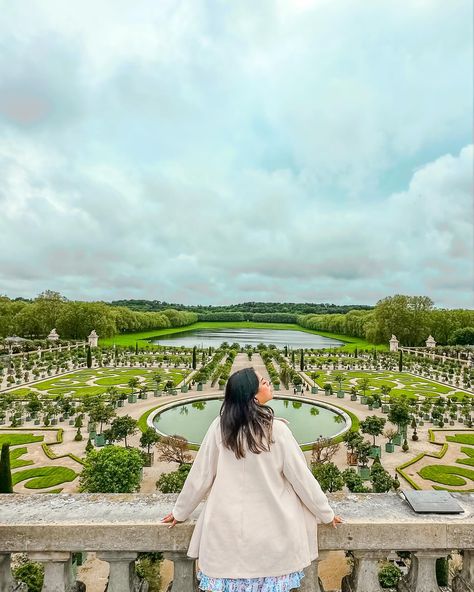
(194,364)
(149,438)
(174,482)
(464,336)
(363,451)
(302,360)
(328,476)
(101,413)
(400,361)
(323,450)
(122,427)
(89,357)
(34,405)
(112,469)
(353,481)
(133,383)
(373,426)
(364,384)
(6,485)
(89,445)
(380,478)
(30,573)
(174,449)
(399,414)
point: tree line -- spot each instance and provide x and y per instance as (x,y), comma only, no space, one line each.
(410,318)
(75,319)
(246,309)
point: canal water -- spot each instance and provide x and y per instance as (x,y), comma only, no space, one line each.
(279,337)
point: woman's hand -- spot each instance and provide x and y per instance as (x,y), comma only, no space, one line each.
(170,518)
(337,520)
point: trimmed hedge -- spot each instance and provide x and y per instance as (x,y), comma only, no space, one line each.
(446,474)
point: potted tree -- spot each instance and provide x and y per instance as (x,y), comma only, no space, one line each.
(363,453)
(351,442)
(390,433)
(373,426)
(147,440)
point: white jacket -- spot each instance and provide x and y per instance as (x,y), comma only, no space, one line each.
(261,513)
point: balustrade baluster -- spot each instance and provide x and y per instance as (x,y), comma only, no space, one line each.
(311,581)
(422,574)
(184,578)
(57,570)
(7,583)
(365,574)
(122,577)
(464,581)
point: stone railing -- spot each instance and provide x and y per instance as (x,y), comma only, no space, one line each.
(51,527)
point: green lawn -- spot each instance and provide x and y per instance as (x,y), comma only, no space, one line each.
(462,439)
(16,439)
(133,338)
(15,461)
(42,477)
(447,474)
(102,378)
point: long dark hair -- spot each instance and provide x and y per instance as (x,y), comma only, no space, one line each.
(242,418)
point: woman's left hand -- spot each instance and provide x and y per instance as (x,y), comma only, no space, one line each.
(170,518)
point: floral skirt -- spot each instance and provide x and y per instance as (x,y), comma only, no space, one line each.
(264,584)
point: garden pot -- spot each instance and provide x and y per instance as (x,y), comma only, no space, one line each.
(327,393)
(54,421)
(340,394)
(36,422)
(221,387)
(353,397)
(120,403)
(314,390)
(389,447)
(276,387)
(451,422)
(149,458)
(92,434)
(184,388)
(157,394)
(426,417)
(397,440)
(370,406)
(298,388)
(132,398)
(71,422)
(352,458)
(99,440)
(174,392)
(363,400)
(199,386)
(364,473)
(385,408)
(376,405)
(421,423)
(375,451)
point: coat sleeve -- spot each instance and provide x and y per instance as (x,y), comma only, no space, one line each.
(200,478)
(302,480)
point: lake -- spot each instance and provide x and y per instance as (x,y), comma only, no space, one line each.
(278,337)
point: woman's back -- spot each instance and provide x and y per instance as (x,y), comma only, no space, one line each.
(261,512)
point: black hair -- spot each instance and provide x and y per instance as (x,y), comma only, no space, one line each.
(243,419)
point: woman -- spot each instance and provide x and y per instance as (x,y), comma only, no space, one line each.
(257,527)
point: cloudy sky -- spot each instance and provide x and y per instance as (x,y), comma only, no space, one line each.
(217,152)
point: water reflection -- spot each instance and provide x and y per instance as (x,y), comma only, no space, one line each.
(307,420)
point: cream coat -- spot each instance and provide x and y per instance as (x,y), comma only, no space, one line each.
(260,517)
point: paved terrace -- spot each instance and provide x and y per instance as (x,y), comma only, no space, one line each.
(116,527)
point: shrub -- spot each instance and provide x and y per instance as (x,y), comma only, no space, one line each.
(389,575)
(30,573)
(173,482)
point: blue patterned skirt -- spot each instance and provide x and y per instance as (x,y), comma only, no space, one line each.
(264,584)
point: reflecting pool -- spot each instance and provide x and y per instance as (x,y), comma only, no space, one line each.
(308,420)
(279,337)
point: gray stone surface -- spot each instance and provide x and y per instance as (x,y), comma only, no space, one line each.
(114,522)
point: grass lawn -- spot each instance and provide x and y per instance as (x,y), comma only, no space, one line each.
(133,338)
(15,461)
(41,477)
(16,439)
(462,439)
(447,474)
(76,384)
(411,386)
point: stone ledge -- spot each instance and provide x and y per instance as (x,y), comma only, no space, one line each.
(94,522)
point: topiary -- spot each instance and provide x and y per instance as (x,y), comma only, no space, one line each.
(405,446)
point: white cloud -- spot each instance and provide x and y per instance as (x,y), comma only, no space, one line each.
(207,154)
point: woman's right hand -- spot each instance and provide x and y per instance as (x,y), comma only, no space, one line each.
(337,520)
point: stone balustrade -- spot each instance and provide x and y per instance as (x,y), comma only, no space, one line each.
(51,527)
